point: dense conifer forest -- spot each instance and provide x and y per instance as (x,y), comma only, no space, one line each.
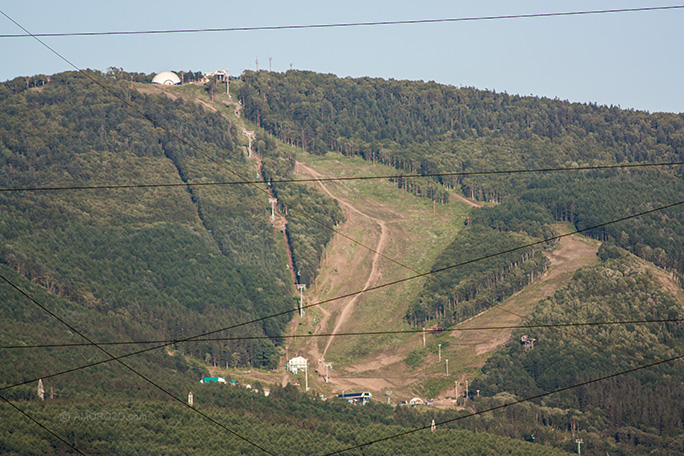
(640,411)
(287,422)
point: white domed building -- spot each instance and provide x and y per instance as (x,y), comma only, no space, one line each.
(166,78)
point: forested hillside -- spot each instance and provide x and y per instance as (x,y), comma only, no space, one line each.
(164,262)
(430,128)
(286,422)
(638,412)
(373,116)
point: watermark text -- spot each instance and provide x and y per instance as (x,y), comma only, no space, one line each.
(102,416)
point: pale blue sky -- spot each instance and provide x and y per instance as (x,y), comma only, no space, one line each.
(634,60)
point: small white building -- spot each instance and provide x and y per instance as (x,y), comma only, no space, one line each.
(220,75)
(213,380)
(296,364)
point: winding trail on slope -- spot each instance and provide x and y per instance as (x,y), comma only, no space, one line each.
(469,202)
(348,307)
(469,349)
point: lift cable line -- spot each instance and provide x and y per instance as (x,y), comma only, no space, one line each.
(352,334)
(50,431)
(136,372)
(520,401)
(289,206)
(343,24)
(338,179)
(375,287)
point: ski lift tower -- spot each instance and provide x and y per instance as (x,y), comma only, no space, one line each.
(273,202)
(301,288)
(328,368)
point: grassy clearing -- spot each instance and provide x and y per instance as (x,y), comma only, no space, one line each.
(415,235)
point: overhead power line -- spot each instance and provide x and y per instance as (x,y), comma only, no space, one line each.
(313,219)
(345,24)
(353,334)
(304,214)
(133,370)
(327,226)
(348,295)
(230,170)
(45,428)
(509,404)
(338,179)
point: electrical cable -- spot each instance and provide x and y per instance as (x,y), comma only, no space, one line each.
(219,163)
(346,24)
(304,214)
(434,331)
(375,287)
(520,401)
(127,103)
(338,179)
(146,116)
(197,149)
(50,431)
(309,217)
(136,372)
